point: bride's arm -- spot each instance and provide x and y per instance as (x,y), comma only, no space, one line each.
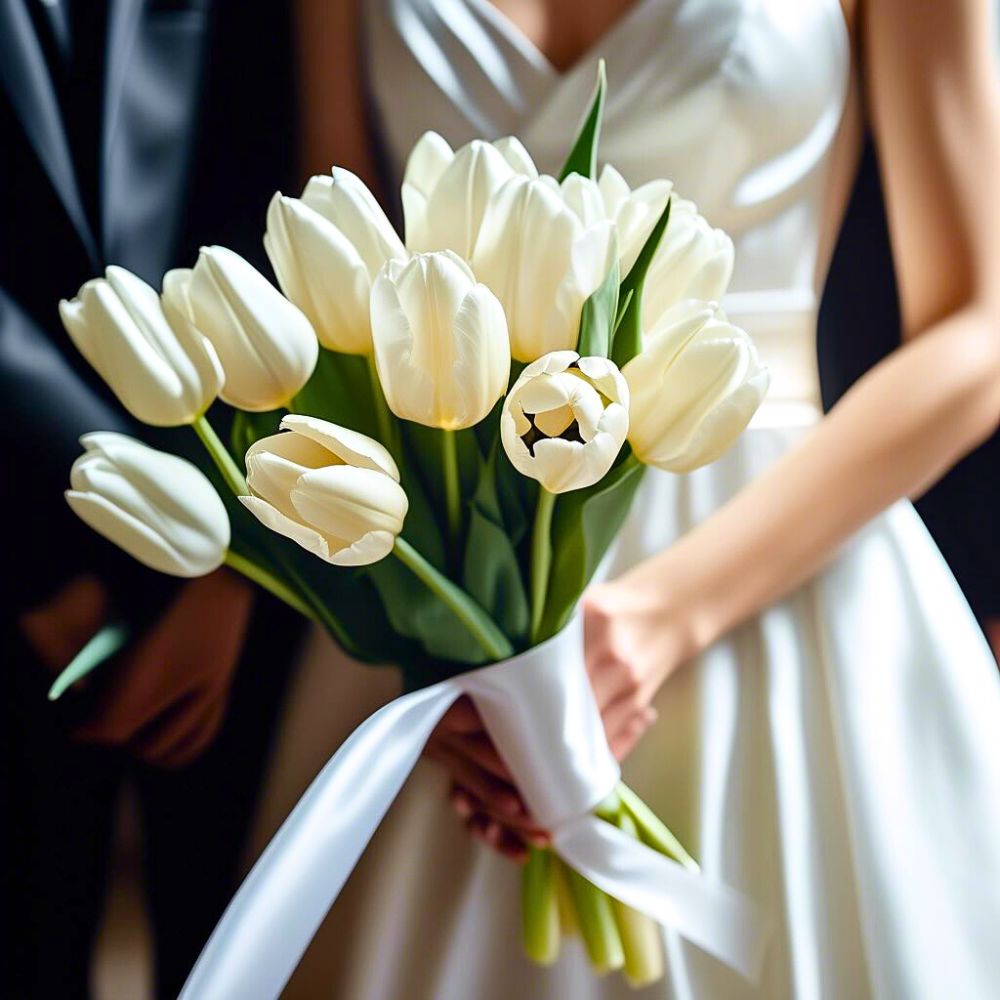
(935,110)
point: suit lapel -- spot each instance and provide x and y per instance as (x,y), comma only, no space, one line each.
(150,102)
(29,84)
(123,30)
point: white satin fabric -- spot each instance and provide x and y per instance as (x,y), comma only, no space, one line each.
(836,759)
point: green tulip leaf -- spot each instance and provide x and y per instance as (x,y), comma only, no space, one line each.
(628,332)
(492,572)
(340,390)
(582,158)
(415,612)
(597,321)
(584,525)
(250,427)
(101,646)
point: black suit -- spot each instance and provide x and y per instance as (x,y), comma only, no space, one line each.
(131,131)
(859,324)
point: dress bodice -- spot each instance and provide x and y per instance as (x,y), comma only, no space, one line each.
(736,101)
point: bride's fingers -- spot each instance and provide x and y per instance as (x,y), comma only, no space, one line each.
(479,748)
(468,805)
(493,835)
(461,718)
(623,740)
(500,796)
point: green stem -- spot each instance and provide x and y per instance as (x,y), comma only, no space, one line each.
(383,416)
(321,612)
(224,462)
(479,624)
(642,944)
(452,488)
(541,559)
(269,582)
(652,831)
(540,907)
(596,920)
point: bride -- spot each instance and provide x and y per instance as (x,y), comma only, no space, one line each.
(782,659)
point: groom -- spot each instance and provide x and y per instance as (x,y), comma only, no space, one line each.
(859,324)
(130,132)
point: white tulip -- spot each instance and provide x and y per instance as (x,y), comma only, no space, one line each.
(542,261)
(441,344)
(267,347)
(693,261)
(332,490)
(565,420)
(445,193)
(694,388)
(320,270)
(164,375)
(159,508)
(634,213)
(327,269)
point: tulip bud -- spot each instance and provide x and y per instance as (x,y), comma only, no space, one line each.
(694,388)
(267,348)
(565,420)
(441,344)
(332,490)
(164,375)
(445,193)
(326,250)
(693,261)
(159,508)
(542,262)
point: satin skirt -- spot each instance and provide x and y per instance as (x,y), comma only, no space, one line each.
(836,758)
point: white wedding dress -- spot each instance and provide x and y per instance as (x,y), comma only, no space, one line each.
(837,758)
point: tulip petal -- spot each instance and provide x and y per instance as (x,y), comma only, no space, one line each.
(347,445)
(158,507)
(310,539)
(344,199)
(513,151)
(267,347)
(368,549)
(321,271)
(130,534)
(119,326)
(346,502)
(428,160)
(524,253)
(458,203)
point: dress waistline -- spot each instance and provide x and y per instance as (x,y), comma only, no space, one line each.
(782,323)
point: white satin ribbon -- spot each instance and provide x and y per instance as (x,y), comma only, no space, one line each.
(540,711)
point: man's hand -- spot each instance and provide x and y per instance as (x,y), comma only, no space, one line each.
(172,686)
(60,628)
(168,693)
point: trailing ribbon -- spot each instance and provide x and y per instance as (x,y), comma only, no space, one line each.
(540,711)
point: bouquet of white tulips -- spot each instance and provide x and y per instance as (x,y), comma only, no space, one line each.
(457,421)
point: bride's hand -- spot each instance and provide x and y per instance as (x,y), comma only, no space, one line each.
(634,642)
(482,789)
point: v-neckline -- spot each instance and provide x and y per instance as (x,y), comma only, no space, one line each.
(520,40)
